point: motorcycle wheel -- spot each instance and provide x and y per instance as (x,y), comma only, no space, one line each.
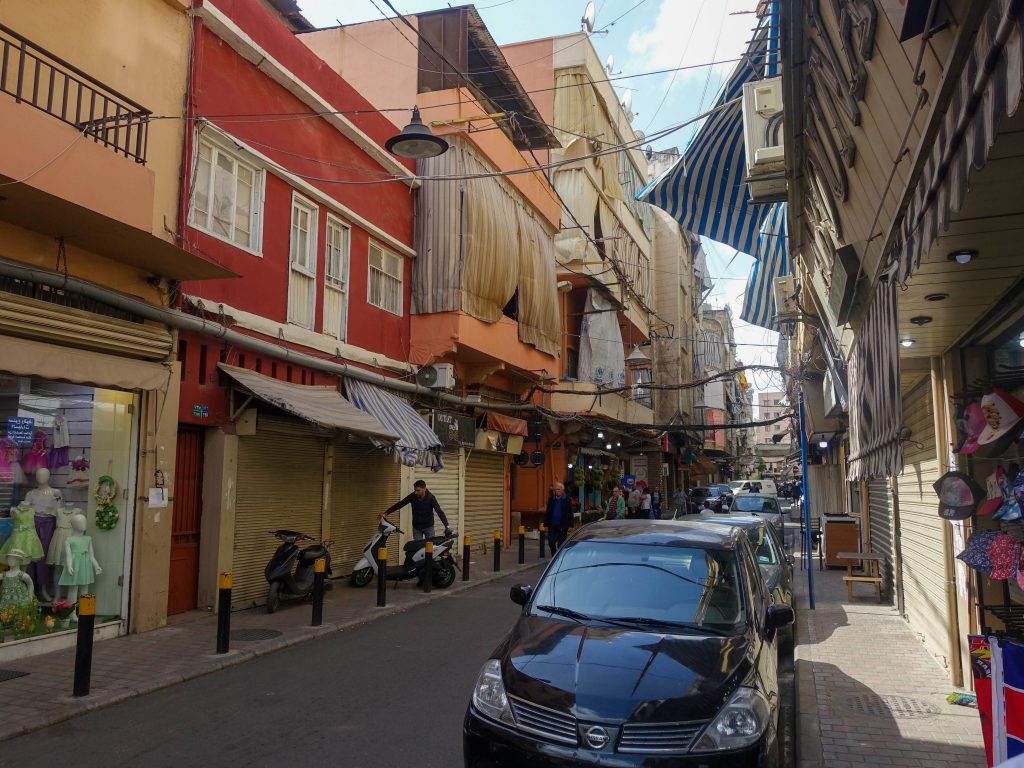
(361,578)
(444,576)
(273,597)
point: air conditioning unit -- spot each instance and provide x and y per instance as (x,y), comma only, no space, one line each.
(786,308)
(437,376)
(762,139)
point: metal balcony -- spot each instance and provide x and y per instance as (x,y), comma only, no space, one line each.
(34,76)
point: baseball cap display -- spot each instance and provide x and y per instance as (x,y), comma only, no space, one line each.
(958,495)
(1002,412)
(974,418)
(994,494)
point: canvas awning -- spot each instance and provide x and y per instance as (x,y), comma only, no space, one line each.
(508,424)
(323,406)
(772,261)
(416,442)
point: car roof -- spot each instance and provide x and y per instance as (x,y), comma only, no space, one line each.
(736,521)
(670,533)
(758,496)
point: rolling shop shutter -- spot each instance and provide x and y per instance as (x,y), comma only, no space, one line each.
(923,534)
(280,485)
(365,481)
(485,497)
(880,529)
(445,486)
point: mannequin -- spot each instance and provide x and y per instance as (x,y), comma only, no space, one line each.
(15,584)
(55,553)
(80,566)
(46,501)
(23,536)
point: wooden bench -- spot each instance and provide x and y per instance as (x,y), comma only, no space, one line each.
(872,577)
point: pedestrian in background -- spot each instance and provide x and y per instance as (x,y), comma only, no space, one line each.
(632,502)
(656,503)
(645,503)
(557,516)
(679,503)
(616,507)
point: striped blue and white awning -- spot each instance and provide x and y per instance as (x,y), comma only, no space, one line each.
(705,190)
(417,443)
(772,261)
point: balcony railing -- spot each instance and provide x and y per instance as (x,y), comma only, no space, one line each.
(35,76)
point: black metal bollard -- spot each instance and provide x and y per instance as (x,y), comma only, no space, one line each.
(522,544)
(428,566)
(382,576)
(466,542)
(540,531)
(319,574)
(223,612)
(497,551)
(83,644)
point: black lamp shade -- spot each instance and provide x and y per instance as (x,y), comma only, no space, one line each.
(416,141)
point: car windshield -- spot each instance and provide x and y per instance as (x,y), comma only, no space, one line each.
(700,493)
(735,485)
(763,545)
(749,503)
(604,580)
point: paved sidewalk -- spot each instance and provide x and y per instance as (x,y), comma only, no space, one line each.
(851,659)
(137,664)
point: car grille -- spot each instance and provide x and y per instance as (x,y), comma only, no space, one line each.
(659,737)
(544,722)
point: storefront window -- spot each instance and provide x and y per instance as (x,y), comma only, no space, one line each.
(66,461)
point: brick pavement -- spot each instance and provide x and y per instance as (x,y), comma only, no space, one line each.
(133,665)
(850,653)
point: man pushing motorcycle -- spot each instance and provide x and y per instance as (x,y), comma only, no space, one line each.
(424,505)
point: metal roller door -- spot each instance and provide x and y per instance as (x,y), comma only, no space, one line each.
(364,482)
(280,485)
(923,534)
(485,497)
(445,486)
(880,529)
(825,488)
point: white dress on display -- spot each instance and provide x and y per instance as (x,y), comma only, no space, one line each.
(55,554)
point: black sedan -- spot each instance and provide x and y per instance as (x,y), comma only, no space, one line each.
(646,643)
(712,494)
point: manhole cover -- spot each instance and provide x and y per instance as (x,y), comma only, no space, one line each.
(255,633)
(899,707)
(10,674)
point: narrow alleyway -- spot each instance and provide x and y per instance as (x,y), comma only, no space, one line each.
(869,693)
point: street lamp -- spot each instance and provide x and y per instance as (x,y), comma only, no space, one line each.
(416,140)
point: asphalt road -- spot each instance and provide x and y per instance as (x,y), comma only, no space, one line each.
(387,694)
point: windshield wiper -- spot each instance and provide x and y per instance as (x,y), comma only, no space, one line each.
(569,613)
(646,621)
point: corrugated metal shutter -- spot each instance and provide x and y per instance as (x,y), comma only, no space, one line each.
(365,481)
(880,528)
(485,497)
(280,485)
(445,486)
(825,488)
(922,532)
(45,321)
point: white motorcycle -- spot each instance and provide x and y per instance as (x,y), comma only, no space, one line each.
(414,565)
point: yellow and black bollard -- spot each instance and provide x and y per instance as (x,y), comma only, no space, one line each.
(319,574)
(83,644)
(382,576)
(223,611)
(466,546)
(540,531)
(428,566)
(497,551)
(522,544)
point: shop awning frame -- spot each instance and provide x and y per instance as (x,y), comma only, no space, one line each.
(323,406)
(416,443)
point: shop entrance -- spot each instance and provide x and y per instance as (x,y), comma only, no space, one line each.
(185,522)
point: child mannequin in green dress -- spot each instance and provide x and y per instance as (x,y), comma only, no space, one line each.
(15,584)
(80,566)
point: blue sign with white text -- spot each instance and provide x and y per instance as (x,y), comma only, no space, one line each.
(21,429)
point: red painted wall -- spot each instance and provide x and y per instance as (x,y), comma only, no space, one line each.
(226,86)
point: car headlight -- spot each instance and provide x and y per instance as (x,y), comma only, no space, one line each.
(489,693)
(740,723)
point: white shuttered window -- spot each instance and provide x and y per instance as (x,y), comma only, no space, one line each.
(336,252)
(227,198)
(302,256)
(384,287)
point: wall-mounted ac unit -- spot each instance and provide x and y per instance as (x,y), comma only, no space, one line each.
(762,138)
(786,308)
(437,376)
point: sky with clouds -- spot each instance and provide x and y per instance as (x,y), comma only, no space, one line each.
(643,36)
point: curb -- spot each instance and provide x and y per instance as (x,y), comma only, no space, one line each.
(103,698)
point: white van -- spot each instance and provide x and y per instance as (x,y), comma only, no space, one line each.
(764,486)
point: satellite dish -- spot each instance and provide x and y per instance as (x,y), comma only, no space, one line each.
(649,152)
(640,136)
(589,15)
(627,104)
(609,64)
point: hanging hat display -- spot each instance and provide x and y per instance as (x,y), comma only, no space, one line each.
(994,495)
(958,495)
(974,419)
(975,554)
(1003,412)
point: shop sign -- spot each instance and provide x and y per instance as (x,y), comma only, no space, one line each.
(20,429)
(201,411)
(454,429)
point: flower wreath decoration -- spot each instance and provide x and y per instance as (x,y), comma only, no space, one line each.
(105,493)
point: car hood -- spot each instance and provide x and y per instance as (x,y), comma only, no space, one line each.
(599,672)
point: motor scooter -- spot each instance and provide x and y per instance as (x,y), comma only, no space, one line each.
(284,584)
(414,565)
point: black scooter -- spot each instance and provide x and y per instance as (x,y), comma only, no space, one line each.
(286,585)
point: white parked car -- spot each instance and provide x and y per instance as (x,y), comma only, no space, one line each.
(764,486)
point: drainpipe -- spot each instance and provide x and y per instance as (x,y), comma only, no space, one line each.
(183,321)
(807,504)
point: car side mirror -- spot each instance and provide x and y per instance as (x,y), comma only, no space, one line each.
(779,616)
(520,593)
